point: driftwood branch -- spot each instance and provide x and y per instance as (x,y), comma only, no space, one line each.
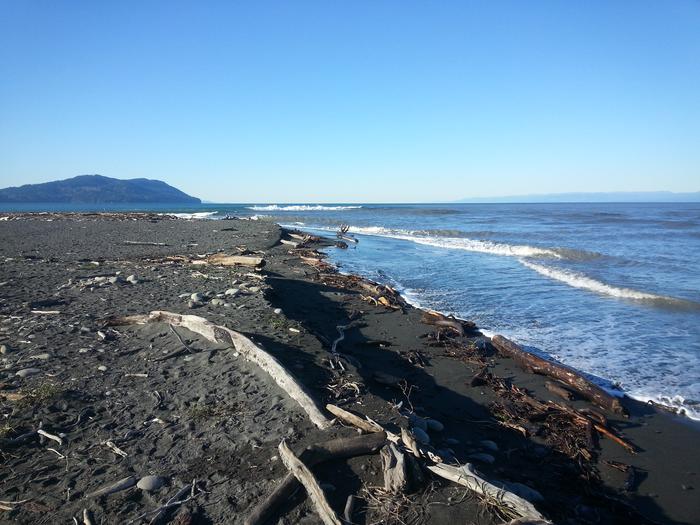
(468,477)
(313,455)
(569,376)
(352,419)
(246,347)
(308,480)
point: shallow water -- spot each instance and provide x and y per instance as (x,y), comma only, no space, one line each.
(612,289)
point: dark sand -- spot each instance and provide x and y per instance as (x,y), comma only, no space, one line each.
(211,416)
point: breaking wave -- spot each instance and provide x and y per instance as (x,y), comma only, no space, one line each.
(196,215)
(584,282)
(472,245)
(302,207)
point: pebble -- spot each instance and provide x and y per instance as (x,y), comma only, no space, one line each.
(488,444)
(231,291)
(183,295)
(434,425)
(102,368)
(116,279)
(484,458)
(26,372)
(418,422)
(4,349)
(228,305)
(197,297)
(277,311)
(42,357)
(193,304)
(421,435)
(216,302)
(254,289)
(150,483)
(132,279)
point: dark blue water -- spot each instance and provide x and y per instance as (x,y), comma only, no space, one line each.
(612,289)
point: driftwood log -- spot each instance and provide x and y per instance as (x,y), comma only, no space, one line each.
(313,455)
(354,420)
(220,259)
(569,376)
(310,483)
(394,467)
(467,476)
(246,347)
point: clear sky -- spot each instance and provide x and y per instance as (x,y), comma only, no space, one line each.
(340,101)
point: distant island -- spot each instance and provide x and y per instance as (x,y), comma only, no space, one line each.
(97,189)
(620,196)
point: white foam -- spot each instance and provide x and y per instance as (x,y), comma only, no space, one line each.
(456,243)
(195,215)
(302,207)
(584,282)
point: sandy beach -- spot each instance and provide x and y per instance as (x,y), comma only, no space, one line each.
(192,428)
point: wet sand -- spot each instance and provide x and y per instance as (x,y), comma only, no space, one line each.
(208,415)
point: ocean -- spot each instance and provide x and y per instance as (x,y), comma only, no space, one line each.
(610,289)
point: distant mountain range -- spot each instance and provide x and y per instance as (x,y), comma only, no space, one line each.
(96,189)
(621,196)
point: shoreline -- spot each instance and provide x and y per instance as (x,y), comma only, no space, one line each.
(606,384)
(212,404)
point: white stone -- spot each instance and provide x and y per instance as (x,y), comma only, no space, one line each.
(150,483)
(26,372)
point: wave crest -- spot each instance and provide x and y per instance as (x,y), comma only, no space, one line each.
(302,207)
(584,282)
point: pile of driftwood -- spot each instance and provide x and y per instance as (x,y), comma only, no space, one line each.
(406,462)
(370,291)
(298,240)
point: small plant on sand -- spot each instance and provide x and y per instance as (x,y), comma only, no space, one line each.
(39,395)
(6,429)
(278,323)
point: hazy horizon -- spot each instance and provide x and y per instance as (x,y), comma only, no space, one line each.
(399,101)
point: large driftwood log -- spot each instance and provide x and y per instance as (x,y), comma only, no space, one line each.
(221,259)
(246,347)
(313,455)
(569,376)
(468,477)
(308,480)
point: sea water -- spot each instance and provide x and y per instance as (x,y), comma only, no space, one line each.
(611,289)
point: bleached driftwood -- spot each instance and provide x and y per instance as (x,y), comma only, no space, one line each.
(349,509)
(53,437)
(335,449)
(352,419)
(394,467)
(117,486)
(87,517)
(569,376)
(144,243)
(114,448)
(221,259)
(244,346)
(467,476)
(307,479)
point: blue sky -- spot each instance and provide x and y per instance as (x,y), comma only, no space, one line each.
(334,101)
